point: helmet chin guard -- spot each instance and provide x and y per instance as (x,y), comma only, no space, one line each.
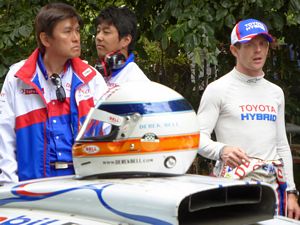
(137,128)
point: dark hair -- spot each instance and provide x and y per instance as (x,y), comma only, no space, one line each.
(238,45)
(123,19)
(49,16)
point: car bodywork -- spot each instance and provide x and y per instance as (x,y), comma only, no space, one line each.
(186,199)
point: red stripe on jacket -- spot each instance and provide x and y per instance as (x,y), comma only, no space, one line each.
(33,117)
(85,106)
(40,115)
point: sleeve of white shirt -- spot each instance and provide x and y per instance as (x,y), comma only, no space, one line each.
(208,114)
(283,148)
(100,87)
(131,72)
(8,163)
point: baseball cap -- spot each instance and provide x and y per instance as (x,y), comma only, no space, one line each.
(245,30)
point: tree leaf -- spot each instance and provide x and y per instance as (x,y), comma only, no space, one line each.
(3,71)
(161,18)
(178,34)
(192,23)
(226,4)
(176,12)
(25,31)
(295,5)
(7,42)
(230,21)
(189,43)
(157,32)
(297,18)
(209,30)
(173,4)
(221,13)
(278,21)
(197,57)
(164,41)
(207,15)
(187,2)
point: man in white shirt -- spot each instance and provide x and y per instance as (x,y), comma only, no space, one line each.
(115,39)
(246,112)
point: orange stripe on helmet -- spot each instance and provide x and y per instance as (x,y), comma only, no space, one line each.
(134,146)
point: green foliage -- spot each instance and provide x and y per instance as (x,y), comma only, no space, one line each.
(201,29)
(16,28)
(183,43)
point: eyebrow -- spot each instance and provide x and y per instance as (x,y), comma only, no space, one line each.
(103,26)
(70,26)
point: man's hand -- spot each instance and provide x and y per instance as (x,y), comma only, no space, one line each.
(293,209)
(233,156)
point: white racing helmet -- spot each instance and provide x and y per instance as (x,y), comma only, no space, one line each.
(137,128)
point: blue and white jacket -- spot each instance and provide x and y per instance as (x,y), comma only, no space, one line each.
(35,128)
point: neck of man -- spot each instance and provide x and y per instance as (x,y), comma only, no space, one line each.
(249,72)
(53,64)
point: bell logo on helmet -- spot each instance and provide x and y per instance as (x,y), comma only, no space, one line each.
(91,149)
(114,119)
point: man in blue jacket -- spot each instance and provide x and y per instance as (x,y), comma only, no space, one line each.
(45,99)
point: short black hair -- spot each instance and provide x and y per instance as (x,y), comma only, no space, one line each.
(123,19)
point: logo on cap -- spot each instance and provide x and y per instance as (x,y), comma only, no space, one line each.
(245,30)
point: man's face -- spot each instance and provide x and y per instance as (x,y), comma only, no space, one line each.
(65,39)
(251,56)
(107,40)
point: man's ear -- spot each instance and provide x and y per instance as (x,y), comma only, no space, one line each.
(233,50)
(44,39)
(125,41)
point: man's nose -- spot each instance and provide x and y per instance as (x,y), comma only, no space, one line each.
(99,36)
(76,36)
(258,47)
